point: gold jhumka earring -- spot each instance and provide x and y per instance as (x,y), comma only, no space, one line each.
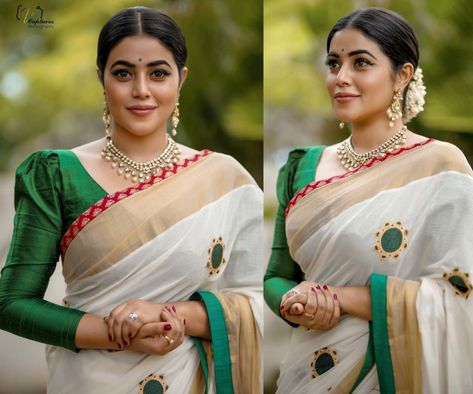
(175,120)
(395,109)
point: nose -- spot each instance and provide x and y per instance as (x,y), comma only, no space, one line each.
(140,86)
(343,76)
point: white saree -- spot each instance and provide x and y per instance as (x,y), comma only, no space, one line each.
(402,225)
(197,227)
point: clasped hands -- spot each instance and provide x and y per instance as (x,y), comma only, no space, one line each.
(145,327)
(311,305)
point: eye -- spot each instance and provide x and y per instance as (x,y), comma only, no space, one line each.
(332,64)
(121,73)
(159,74)
(362,62)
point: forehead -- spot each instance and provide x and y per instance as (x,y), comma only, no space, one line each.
(145,47)
(352,40)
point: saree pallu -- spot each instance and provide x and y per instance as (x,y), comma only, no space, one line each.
(194,231)
(402,225)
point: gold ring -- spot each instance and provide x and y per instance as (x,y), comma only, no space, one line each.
(170,341)
(310,316)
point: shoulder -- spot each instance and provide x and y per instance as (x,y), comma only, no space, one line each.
(448,157)
(228,166)
(38,176)
(45,159)
(296,156)
(298,153)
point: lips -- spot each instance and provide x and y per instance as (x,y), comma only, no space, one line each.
(345,97)
(142,110)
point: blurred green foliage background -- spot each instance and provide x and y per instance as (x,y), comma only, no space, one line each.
(50,96)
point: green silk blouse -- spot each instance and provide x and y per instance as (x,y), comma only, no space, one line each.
(283,273)
(52,189)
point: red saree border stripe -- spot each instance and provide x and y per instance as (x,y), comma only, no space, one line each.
(314,185)
(110,199)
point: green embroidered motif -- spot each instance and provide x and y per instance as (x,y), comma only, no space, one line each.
(391,240)
(216,259)
(324,359)
(153,384)
(217,255)
(460,281)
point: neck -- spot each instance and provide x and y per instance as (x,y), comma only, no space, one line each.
(139,148)
(368,136)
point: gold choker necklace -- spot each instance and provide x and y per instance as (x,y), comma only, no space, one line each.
(351,160)
(138,172)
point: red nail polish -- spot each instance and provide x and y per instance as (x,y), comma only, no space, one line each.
(167,327)
(281,307)
(334,296)
(173,308)
(312,289)
(318,287)
(325,287)
(184,321)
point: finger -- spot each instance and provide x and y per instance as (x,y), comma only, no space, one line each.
(153,329)
(296,309)
(289,294)
(329,306)
(130,326)
(111,320)
(170,314)
(336,310)
(178,331)
(320,311)
(311,305)
(297,298)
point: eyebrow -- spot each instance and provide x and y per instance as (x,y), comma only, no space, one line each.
(150,64)
(352,53)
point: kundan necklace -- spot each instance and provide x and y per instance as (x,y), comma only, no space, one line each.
(138,172)
(351,160)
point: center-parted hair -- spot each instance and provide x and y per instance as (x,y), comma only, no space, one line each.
(135,21)
(388,29)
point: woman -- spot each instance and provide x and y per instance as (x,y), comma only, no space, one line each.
(371,260)
(159,266)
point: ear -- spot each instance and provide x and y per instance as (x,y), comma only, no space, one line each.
(404,76)
(99,76)
(183,77)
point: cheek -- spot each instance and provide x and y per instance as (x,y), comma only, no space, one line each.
(115,93)
(330,82)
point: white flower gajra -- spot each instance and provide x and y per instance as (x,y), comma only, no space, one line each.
(415,97)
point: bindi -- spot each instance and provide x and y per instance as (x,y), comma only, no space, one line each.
(139,59)
(343,50)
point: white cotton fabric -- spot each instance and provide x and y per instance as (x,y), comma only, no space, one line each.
(169,268)
(438,212)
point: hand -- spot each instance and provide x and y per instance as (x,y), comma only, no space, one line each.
(126,319)
(294,300)
(312,306)
(159,338)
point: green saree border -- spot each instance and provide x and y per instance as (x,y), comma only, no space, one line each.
(369,361)
(220,346)
(382,349)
